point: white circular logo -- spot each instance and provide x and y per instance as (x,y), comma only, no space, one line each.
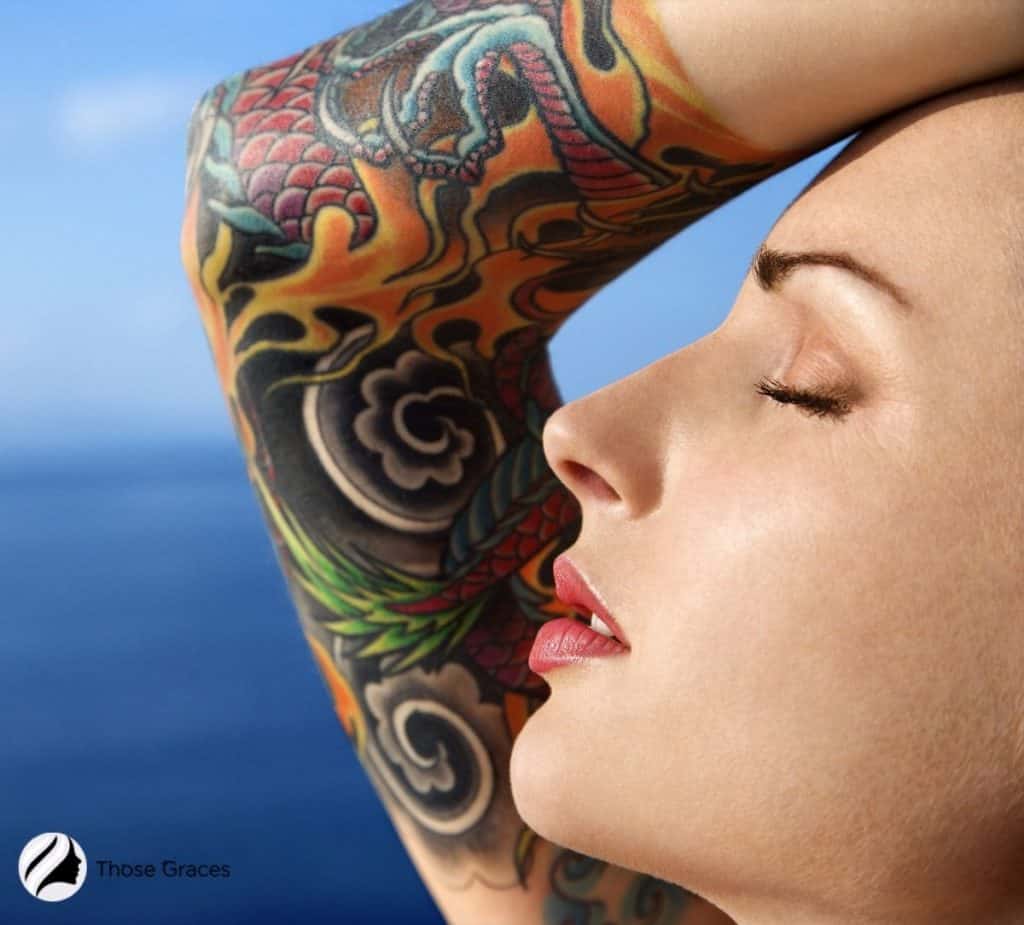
(52,867)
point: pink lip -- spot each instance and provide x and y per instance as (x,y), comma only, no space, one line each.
(567,641)
(571,588)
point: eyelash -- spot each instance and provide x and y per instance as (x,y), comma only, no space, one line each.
(817,404)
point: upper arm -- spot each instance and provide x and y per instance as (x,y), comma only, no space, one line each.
(448,173)
(382,232)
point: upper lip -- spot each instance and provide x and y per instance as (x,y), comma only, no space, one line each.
(572,588)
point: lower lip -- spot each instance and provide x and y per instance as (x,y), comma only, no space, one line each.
(567,642)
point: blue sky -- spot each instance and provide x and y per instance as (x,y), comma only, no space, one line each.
(101,345)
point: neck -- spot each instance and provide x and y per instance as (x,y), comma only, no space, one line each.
(996,905)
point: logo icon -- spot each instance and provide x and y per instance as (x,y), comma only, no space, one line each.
(52,867)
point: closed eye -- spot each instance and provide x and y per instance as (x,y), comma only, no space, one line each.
(817,404)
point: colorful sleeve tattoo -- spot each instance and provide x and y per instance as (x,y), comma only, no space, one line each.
(382,234)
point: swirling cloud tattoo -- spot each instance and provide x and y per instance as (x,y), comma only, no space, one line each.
(383,232)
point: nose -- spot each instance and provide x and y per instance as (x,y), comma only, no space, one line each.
(606,448)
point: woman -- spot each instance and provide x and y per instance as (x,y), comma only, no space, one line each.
(811,714)
(824,603)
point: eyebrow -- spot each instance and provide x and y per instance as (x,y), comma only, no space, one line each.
(771,267)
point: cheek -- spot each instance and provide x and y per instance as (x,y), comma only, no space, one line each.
(787,575)
(822,646)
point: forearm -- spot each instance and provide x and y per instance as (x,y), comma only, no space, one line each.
(382,237)
(469,530)
(797,73)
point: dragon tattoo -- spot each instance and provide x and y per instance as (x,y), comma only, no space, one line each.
(383,232)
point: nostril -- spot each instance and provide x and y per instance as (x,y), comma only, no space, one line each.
(584,479)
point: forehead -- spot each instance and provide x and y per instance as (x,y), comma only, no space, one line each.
(934,197)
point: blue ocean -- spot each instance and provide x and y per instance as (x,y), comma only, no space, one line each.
(160,703)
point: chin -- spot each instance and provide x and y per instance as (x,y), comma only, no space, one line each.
(559,795)
(541,785)
(549,788)
(524,778)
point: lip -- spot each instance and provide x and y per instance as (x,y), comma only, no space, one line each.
(573,589)
(567,641)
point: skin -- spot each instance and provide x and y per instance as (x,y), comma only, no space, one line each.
(382,233)
(378,284)
(825,614)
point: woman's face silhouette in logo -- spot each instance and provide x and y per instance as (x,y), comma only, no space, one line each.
(51,866)
(65,872)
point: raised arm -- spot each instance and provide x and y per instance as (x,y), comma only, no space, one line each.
(382,233)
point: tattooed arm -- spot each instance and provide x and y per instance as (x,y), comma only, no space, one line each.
(382,234)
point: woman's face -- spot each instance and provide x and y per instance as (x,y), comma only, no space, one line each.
(822,712)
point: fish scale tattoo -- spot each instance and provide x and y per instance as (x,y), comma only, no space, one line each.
(382,234)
